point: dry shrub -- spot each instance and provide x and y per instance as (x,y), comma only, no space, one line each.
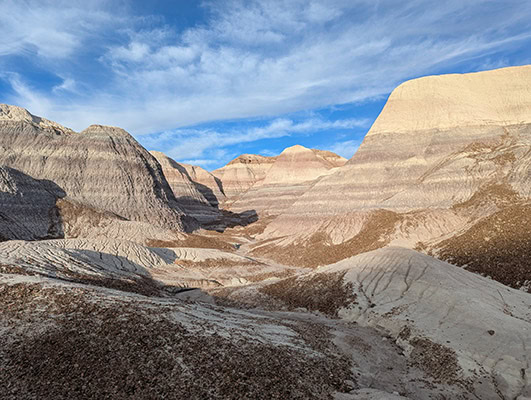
(499,194)
(436,360)
(326,293)
(195,241)
(318,249)
(217,262)
(497,246)
(122,351)
(267,275)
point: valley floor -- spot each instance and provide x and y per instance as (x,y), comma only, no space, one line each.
(87,318)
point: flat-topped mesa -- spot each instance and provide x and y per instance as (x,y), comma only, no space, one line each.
(292,173)
(242,173)
(102,167)
(498,97)
(445,152)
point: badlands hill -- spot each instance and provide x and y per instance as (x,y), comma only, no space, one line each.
(243,172)
(288,176)
(102,168)
(27,206)
(348,287)
(199,200)
(450,166)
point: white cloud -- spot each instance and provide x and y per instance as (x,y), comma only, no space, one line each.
(269,153)
(205,163)
(214,145)
(193,143)
(50,29)
(345,148)
(249,58)
(68,85)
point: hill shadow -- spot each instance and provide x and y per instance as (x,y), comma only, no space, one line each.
(210,216)
(213,218)
(207,192)
(126,275)
(30,213)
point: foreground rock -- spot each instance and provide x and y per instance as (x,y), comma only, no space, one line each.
(460,328)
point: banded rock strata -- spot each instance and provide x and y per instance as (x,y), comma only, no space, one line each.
(293,172)
(210,186)
(437,171)
(27,207)
(243,172)
(101,167)
(196,199)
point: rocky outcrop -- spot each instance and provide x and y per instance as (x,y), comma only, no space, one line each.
(180,181)
(207,184)
(191,195)
(243,172)
(432,157)
(101,167)
(293,172)
(500,97)
(27,207)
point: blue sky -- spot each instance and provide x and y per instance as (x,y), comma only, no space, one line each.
(205,81)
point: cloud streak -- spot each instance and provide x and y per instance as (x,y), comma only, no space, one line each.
(246,59)
(186,144)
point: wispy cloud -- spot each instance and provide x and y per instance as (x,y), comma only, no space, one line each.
(246,59)
(186,144)
(345,148)
(51,30)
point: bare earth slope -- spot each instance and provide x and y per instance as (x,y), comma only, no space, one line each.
(149,346)
(102,167)
(436,172)
(243,172)
(210,186)
(293,172)
(458,327)
(196,200)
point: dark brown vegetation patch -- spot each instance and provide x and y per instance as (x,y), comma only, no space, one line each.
(140,285)
(319,250)
(215,263)
(14,269)
(327,293)
(285,273)
(497,246)
(499,194)
(71,212)
(436,360)
(194,241)
(121,350)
